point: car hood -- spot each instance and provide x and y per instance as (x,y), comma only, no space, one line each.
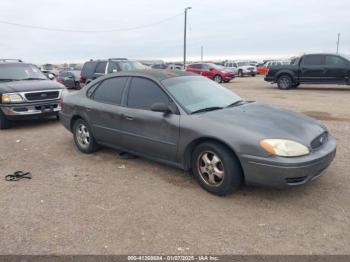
(261,121)
(29,85)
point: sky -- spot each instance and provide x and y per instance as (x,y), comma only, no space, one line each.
(153,29)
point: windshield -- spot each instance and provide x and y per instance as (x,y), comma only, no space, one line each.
(13,72)
(195,93)
(130,65)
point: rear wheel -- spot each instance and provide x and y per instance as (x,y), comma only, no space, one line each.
(217,78)
(216,168)
(240,73)
(83,137)
(4,122)
(285,82)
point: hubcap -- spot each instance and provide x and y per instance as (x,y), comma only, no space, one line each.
(217,79)
(83,135)
(284,82)
(211,168)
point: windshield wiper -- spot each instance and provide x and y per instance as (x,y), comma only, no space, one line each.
(237,103)
(8,79)
(32,78)
(207,109)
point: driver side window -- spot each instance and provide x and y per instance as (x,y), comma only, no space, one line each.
(143,93)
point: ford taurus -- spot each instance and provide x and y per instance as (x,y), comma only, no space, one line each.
(193,123)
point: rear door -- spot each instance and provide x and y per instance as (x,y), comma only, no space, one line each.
(105,110)
(195,68)
(337,69)
(312,69)
(154,134)
(205,71)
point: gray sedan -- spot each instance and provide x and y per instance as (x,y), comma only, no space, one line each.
(193,123)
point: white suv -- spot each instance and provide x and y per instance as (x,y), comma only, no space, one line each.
(241,68)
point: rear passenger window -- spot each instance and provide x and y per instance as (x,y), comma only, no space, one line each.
(144,93)
(101,67)
(312,60)
(110,90)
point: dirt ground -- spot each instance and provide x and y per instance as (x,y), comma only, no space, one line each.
(100,204)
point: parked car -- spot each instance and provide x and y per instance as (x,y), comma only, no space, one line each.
(215,72)
(311,69)
(241,68)
(26,93)
(170,66)
(69,78)
(96,68)
(264,68)
(50,69)
(193,123)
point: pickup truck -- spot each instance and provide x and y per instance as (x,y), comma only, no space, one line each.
(311,69)
(26,93)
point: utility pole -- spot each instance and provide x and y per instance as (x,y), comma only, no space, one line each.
(185,34)
(338,43)
(201,53)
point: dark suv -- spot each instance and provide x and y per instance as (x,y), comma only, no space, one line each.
(25,92)
(96,68)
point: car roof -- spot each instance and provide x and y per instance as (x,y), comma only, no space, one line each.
(155,74)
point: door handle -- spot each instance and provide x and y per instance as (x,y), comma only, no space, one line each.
(130,118)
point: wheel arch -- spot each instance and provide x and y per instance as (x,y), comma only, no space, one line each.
(289,73)
(193,144)
(73,119)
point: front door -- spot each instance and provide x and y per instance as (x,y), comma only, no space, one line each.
(154,134)
(337,69)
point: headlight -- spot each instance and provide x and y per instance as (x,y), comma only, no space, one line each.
(11,98)
(282,147)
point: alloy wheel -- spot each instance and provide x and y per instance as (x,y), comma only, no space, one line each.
(211,168)
(83,135)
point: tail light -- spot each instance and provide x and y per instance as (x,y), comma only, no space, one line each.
(82,79)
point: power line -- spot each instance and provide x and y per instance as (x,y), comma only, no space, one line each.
(89,31)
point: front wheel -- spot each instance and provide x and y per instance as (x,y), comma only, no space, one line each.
(285,82)
(4,122)
(240,73)
(83,137)
(217,78)
(216,168)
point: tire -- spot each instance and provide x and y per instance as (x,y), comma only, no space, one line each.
(4,122)
(217,78)
(240,73)
(284,82)
(83,137)
(220,162)
(253,75)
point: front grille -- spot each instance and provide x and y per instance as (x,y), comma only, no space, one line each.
(251,68)
(319,141)
(38,96)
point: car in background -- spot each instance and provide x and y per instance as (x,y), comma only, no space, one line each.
(96,68)
(241,69)
(170,66)
(50,69)
(69,78)
(215,72)
(195,124)
(264,68)
(26,93)
(311,69)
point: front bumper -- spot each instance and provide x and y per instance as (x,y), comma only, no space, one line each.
(31,110)
(283,172)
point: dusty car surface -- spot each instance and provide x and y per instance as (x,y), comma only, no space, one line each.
(191,122)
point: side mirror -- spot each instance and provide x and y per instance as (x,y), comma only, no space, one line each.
(161,107)
(51,76)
